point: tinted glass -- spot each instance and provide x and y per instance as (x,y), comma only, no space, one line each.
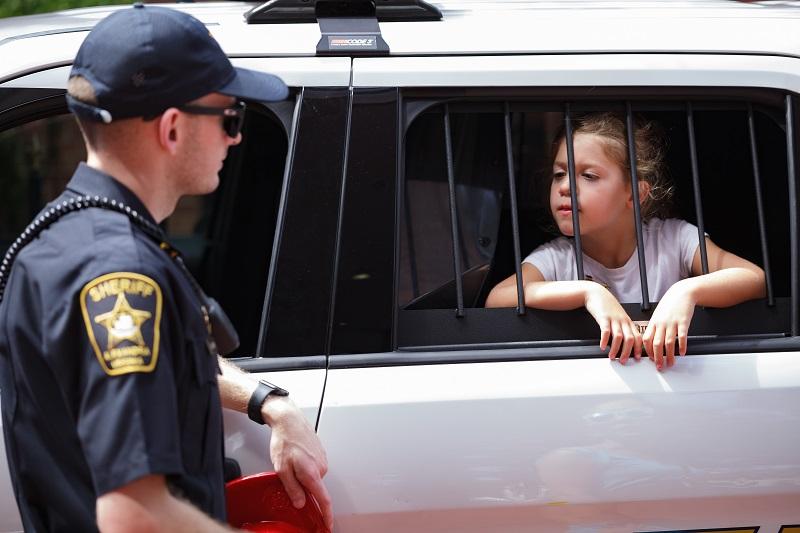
(38,160)
(363,313)
(300,301)
(425,236)
(226,237)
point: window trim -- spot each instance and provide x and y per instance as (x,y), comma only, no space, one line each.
(32,104)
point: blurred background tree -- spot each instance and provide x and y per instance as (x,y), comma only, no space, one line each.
(12,8)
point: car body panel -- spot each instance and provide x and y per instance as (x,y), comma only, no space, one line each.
(564,441)
(9,514)
(578,70)
(248,443)
(295,72)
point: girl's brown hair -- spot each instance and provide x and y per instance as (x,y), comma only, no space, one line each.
(650,148)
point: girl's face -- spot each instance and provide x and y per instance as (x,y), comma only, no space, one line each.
(603,189)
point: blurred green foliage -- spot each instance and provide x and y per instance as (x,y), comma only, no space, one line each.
(12,8)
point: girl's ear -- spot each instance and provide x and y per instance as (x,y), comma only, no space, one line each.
(644,193)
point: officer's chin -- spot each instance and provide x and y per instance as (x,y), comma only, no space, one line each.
(207,185)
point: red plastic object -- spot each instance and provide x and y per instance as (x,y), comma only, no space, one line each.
(260,503)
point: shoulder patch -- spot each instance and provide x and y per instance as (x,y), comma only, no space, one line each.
(122,314)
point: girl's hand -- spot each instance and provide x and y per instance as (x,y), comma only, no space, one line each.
(615,324)
(670,319)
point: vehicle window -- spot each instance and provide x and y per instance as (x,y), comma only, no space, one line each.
(38,159)
(225,237)
(479,249)
(426,238)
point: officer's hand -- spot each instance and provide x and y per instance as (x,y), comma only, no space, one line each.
(297,454)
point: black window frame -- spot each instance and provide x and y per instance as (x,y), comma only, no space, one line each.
(441,330)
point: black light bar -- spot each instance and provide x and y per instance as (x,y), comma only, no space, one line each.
(298,11)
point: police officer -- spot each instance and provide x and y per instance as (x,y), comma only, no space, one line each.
(111,385)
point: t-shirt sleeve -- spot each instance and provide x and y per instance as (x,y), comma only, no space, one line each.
(544,259)
(127,420)
(688,242)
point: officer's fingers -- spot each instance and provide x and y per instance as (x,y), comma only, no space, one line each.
(313,483)
(293,487)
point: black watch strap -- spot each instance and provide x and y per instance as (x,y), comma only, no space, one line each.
(264,389)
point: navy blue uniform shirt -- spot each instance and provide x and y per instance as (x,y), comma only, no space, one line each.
(105,372)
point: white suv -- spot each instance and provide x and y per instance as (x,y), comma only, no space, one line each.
(362,222)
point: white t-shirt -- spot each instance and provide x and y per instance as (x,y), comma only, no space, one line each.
(669,247)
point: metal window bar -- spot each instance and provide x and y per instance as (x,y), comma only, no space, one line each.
(451,182)
(512,192)
(573,190)
(762,227)
(630,126)
(637,210)
(790,167)
(701,230)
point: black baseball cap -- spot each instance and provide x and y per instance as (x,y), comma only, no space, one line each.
(143,60)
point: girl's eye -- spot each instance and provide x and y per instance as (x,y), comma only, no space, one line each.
(558,174)
(590,177)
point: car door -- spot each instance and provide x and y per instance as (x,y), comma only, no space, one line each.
(439,415)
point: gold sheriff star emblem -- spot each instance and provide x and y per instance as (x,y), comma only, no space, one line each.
(123,322)
(124,339)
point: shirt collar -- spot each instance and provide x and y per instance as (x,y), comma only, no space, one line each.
(88,181)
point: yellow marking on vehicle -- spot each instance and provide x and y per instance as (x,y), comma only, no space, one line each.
(753,529)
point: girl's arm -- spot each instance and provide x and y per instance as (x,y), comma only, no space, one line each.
(731,280)
(615,324)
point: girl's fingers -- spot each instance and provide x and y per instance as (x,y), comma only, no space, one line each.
(670,333)
(616,341)
(658,346)
(605,333)
(647,341)
(638,342)
(683,333)
(627,345)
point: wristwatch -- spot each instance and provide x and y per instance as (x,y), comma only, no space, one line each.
(264,389)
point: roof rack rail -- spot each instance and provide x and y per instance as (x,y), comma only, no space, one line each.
(295,11)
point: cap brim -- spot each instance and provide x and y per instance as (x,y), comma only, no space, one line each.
(253,85)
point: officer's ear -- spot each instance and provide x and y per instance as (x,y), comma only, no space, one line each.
(168,124)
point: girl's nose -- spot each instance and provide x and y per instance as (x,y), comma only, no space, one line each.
(563,187)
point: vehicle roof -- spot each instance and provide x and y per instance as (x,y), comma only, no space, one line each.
(469,27)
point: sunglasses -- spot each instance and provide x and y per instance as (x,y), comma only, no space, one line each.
(232,117)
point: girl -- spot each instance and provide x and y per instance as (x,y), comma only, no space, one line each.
(610,257)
